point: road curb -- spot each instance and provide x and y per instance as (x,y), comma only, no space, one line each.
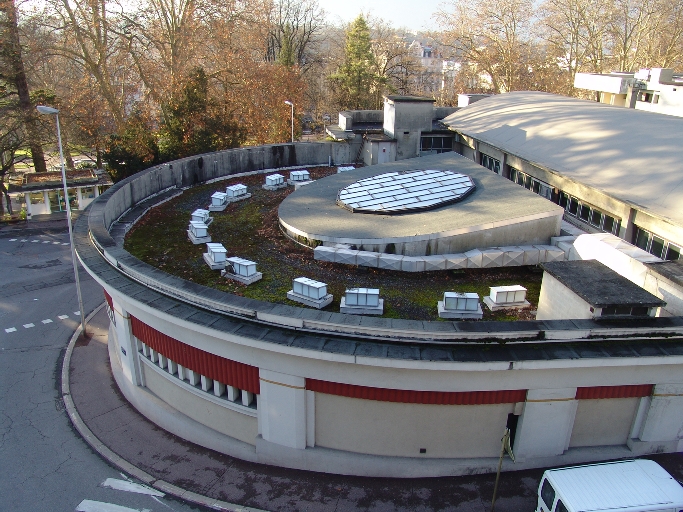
(117,461)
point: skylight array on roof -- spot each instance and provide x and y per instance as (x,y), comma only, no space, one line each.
(400,192)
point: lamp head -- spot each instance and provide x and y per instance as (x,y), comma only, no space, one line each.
(47,110)
(287,102)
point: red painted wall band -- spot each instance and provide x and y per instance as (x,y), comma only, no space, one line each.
(232,373)
(636,391)
(417,397)
(107,297)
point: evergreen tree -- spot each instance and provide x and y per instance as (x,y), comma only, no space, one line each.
(195,123)
(133,149)
(286,55)
(356,82)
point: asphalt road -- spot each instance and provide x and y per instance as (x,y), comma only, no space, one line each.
(44,464)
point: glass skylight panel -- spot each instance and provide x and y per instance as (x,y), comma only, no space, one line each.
(405,191)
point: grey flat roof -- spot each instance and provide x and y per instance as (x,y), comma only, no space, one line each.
(89,230)
(631,155)
(599,285)
(671,270)
(312,209)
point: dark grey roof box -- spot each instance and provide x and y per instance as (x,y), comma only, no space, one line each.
(599,285)
(671,270)
(396,97)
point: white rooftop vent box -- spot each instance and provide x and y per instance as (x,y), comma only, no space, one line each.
(460,305)
(241,270)
(362,301)
(506,297)
(309,292)
(219,200)
(346,168)
(236,190)
(202,216)
(299,176)
(274,182)
(215,256)
(198,232)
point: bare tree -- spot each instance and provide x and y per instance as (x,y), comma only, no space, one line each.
(396,61)
(575,31)
(647,33)
(491,34)
(294,32)
(88,37)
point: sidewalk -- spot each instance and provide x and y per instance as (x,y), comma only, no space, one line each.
(165,457)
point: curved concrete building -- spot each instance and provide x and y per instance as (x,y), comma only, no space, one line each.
(613,169)
(348,394)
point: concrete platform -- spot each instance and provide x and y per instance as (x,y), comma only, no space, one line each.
(460,315)
(274,187)
(361,310)
(212,264)
(299,184)
(318,304)
(498,213)
(240,198)
(198,240)
(242,279)
(221,208)
(497,307)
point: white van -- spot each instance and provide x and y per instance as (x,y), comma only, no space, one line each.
(626,486)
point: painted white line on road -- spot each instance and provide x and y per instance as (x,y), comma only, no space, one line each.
(63,317)
(12,239)
(24,240)
(35,241)
(47,321)
(46,242)
(65,243)
(56,243)
(77,313)
(101,506)
(28,326)
(123,485)
(11,329)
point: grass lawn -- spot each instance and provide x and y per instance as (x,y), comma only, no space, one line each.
(249,229)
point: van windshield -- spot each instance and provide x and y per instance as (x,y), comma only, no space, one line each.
(548,494)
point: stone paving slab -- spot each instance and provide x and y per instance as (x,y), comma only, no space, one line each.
(209,477)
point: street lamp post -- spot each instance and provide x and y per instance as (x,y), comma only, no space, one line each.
(49,110)
(287,102)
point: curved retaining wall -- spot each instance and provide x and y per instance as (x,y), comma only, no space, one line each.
(340,393)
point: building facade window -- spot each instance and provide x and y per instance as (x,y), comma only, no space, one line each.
(490,163)
(656,245)
(436,143)
(589,214)
(525,180)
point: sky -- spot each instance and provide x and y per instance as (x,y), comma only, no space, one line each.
(411,14)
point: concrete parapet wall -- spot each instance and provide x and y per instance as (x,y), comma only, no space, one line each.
(202,168)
